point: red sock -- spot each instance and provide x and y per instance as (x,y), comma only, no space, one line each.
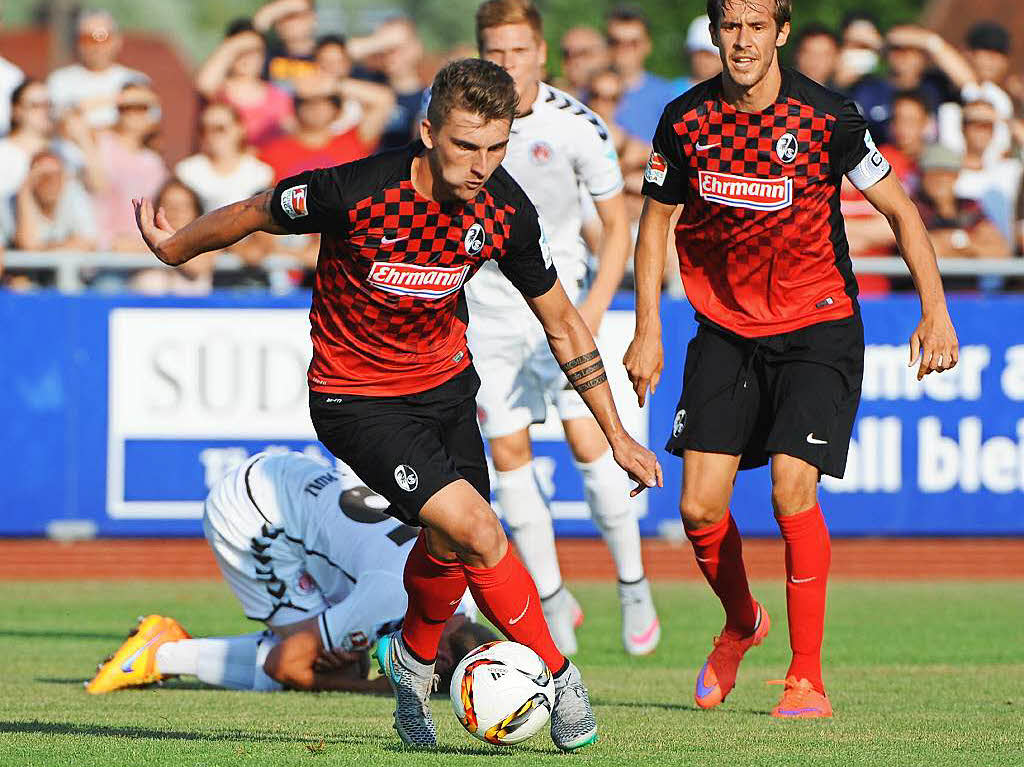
(808,555)
(719,553)
(506,594)
(435,588)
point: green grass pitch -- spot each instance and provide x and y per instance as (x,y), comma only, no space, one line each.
(919,673)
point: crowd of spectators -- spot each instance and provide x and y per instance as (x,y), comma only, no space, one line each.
(277,96)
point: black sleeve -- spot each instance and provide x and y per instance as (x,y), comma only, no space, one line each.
(311,202)
(527,259)
(666,177)
(852,151)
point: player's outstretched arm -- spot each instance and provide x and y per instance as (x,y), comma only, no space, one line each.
(933,345)
(212,231)
(574,347)
(644,357)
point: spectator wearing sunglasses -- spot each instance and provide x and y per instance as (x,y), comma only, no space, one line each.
(223,171)
(128,167)
(314,144)
(94,81)
(645,94)
(584,54)
(31,132)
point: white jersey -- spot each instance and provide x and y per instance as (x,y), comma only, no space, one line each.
(558,152)
(277,522)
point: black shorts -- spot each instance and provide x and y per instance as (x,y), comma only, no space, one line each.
(407,448)
(795,393)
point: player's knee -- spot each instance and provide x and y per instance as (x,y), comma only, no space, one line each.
(697,511)
(511,452)
(483,541)
(793,493)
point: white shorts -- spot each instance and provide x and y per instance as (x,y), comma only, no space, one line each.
(266,572)
(519,377)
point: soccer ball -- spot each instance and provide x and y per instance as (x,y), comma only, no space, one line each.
(502,692)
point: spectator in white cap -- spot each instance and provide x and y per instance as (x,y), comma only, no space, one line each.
(701,53)
(95,80)
(957,226)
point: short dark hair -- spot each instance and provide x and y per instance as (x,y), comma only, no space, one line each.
(628,13)
(989,36)
(782,11)
(476,86)
(324,40)
(238,26)
(814,29)
(913,95)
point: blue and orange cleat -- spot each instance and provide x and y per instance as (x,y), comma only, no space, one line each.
(801,701)
(717,676)
(134,663)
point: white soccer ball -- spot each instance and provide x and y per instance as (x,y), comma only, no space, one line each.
(502,692)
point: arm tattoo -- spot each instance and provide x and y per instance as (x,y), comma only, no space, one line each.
(592,383)
(566,367)
(581,374)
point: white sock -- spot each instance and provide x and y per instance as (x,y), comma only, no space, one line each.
(529,521)
(606,488)
(232,662)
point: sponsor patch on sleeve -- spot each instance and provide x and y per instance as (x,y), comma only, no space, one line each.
(656,169)
(293,201)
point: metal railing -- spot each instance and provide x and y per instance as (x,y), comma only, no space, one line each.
(70,265)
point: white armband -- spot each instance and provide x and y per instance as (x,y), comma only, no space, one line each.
(870,170)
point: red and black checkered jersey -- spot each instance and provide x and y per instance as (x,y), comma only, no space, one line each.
(762,247)
(388,316)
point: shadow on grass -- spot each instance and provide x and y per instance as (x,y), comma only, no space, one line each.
(676,707)
(173,684)
(482,751)
(147,733)
(60,634)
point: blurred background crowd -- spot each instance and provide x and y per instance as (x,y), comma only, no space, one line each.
(283,91)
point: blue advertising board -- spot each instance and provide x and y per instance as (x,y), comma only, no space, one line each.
(122,411)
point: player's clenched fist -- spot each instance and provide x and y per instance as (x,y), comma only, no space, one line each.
(644,360)
(639,463)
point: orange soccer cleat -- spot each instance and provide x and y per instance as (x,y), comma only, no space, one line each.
(717,676)
(134,663)
(801,701)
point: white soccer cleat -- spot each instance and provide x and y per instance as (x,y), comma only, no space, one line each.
(560,611)
(572,719)
(641,630)
(412,684)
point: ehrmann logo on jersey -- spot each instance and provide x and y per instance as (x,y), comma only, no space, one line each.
(742,192)
(416,280)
